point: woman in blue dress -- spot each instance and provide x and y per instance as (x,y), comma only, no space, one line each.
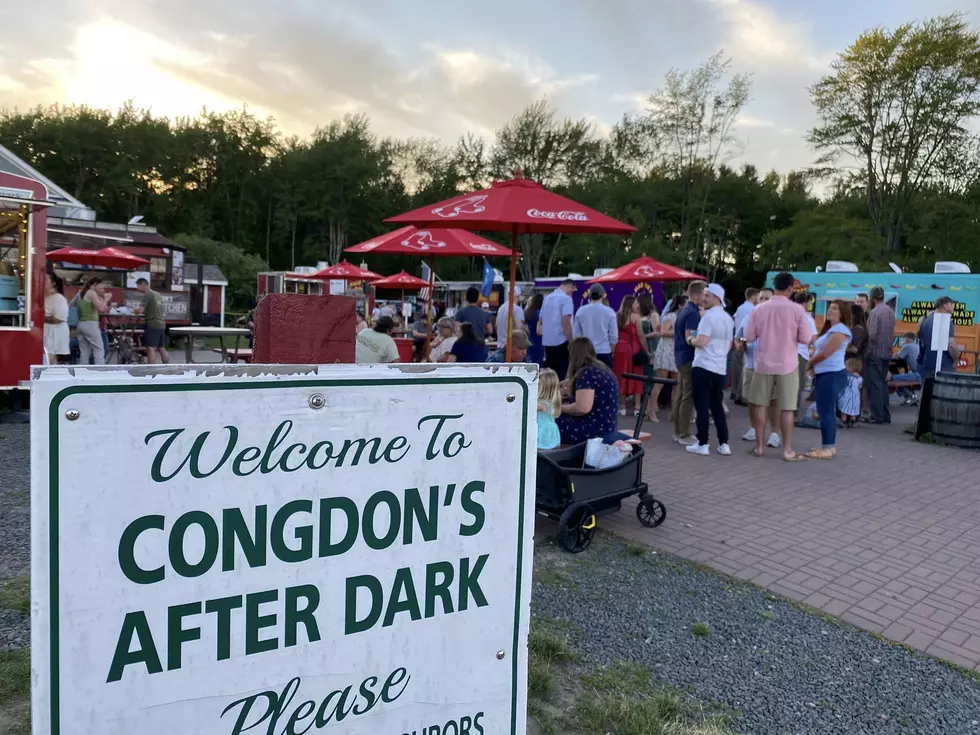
(594,409)
(531,317)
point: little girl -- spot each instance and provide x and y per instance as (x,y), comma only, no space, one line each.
(549,408)
(849,401)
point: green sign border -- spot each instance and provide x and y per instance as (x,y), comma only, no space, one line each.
(53,493)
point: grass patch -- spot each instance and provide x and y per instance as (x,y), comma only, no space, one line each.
(548,646)
(634,548)
(551,577)
(768,614)
(624,699)
(16,595)
(701,630)
(15,674)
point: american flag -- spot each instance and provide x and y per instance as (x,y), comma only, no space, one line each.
(427,275)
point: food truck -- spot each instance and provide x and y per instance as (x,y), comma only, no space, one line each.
(911,295)
(23,227)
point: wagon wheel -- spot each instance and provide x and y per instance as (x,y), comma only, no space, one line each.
(651,513)
(576,528)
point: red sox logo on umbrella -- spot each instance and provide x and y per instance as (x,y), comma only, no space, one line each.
(422,240)
(645,271)
(469,205)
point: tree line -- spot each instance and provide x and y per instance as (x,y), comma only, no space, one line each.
(895,162)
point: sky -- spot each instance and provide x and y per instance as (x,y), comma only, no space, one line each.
(435,68)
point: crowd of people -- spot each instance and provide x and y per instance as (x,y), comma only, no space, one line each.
(768,356)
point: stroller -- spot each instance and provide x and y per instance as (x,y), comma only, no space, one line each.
(575,495)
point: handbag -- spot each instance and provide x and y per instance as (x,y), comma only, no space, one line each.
(641,358)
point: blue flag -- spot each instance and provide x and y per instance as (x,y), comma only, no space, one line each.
(488,276)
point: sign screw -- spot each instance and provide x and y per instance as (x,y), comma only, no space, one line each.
(317,401)
(511,398)
(500,655)
(72,415)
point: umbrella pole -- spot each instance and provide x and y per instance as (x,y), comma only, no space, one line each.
(428,306)
(510,298)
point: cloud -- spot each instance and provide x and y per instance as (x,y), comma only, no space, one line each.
(451,70)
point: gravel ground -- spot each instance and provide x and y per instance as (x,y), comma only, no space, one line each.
(786,670)
(15,525)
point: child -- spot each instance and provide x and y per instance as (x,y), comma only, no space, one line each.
(549,408)
(849,401)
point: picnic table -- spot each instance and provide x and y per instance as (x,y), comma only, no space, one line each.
(221,333)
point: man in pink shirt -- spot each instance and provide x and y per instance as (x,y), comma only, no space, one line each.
(780,326)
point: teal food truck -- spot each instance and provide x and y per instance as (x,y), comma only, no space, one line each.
(912,295)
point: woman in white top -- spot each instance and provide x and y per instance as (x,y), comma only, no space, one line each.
(443,344)
(57,340)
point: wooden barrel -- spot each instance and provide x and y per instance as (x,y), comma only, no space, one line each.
(955,409)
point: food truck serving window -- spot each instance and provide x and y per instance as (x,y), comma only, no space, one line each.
(15,266)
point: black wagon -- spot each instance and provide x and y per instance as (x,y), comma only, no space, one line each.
(576,496)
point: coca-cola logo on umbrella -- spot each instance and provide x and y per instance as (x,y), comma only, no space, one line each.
(483,247)
(645,271)
(469,205)
(567,215)
(370,245)
(422,241)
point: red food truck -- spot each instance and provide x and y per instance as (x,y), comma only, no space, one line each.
(23,240)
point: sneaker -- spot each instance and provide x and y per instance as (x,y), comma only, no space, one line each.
(702,450)
(749,436)
(775,441)
(687,439)
(725,450)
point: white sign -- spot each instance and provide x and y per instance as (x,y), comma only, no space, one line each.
(940,331)
(304,550)
(12,193)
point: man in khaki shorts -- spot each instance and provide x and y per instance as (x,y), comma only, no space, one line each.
(779,326)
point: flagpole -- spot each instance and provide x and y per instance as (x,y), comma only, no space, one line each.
(428,307)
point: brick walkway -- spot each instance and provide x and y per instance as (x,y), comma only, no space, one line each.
(887,536)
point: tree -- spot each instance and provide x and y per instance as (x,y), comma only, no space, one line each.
(894,106)
(241,269)
(553,152)
(690,121)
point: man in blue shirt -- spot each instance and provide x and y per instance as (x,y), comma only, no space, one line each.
(474,314)
(597,321)
(556,326)
(927,356)
(683,404)
(738,357)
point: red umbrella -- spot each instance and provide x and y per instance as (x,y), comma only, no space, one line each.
(104,258)
(519,206)
(402,282)
(646,269)
(345,271)
(411,240)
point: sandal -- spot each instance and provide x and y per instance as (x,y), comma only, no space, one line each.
(756,453)
(794,458)
(821,454)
